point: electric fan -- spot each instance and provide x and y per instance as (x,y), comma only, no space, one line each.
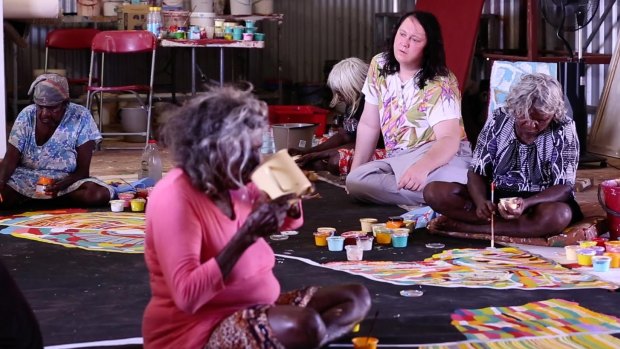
(571,16)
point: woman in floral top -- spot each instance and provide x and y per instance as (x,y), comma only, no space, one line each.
(529,149)
(413,100)
(52,138)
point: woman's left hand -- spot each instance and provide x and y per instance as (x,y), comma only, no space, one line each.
(513,210)
(414,178)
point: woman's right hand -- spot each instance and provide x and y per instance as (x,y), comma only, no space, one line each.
(267,218)
(485,210)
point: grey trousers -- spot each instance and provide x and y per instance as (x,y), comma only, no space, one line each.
(377,181)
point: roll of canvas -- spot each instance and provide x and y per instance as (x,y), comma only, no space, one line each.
(23,9)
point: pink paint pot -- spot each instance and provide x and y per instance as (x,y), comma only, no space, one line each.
(248,36)
(127,198)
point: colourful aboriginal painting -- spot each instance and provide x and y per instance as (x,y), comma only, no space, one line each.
(500,268)
(99,231)
(554,323)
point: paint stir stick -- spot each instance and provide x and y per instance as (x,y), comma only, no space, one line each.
(492,214)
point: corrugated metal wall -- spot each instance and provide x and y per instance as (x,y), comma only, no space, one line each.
(316,31)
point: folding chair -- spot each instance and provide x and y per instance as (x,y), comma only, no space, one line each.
(120,42)
(69,39)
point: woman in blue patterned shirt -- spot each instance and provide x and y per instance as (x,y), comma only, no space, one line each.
(52,138)
(529,149)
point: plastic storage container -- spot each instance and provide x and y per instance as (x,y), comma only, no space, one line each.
(281,114)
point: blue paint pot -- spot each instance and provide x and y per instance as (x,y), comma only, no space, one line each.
(601,263)
(335,243)
(399,239)
(259,36)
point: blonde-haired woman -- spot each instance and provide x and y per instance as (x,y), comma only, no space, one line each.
(345,80)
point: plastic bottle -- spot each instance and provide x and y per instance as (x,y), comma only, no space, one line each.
(151,165)
(154,20)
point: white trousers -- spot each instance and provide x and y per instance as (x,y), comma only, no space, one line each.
(377,181)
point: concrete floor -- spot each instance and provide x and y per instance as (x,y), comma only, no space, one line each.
(108,162)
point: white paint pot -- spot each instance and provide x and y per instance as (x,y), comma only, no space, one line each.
(202,6)
(202,19)
(263,7)
(240,7)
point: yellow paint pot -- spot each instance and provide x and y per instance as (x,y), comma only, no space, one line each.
(615,259)
(137,205)
(584,257)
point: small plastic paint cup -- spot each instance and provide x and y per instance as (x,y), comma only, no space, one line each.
(329,230)
(117,205)
(600,241)
(354,253)
(410,224)
(365,342)
(615,259)
(350,237)
(248,36)
(612,246)
(400,237)
(259,37)
(335,243)
(365,242)
(571,252)
(598,249)
(584,256)
(366,224)
(320,238)
(250,30)
(384,236)
(126,197)
(250,23)
(137,205)
(375,227)
(601,263)
(587,244)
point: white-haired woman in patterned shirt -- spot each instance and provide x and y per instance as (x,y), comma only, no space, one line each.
(529,149)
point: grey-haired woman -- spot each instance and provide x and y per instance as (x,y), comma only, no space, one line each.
(335,154)
(211,270)
(529,150)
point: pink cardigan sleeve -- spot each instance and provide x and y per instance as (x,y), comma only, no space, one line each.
(178,239)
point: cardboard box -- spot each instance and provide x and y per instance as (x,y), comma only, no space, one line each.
(133,17)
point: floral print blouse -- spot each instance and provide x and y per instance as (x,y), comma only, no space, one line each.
(407,113)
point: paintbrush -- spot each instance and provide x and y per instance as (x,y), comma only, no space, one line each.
(492,214)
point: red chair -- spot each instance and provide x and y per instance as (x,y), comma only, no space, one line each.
(122,42)
(69,39)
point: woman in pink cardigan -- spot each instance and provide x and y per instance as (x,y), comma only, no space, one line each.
(211,270)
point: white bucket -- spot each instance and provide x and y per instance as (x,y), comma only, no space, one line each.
(263,7)
(89,8)
(202,19)
(173,3)
(202,6)
(134,120)
(240,7)
(109,7)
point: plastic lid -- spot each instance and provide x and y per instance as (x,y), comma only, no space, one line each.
(435,245)
(151,141)
(278,237)
(411,293)
(396,218)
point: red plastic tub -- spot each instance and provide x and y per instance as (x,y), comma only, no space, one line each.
(282,114)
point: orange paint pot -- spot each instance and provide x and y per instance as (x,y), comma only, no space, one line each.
(365,342)
(320,238)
